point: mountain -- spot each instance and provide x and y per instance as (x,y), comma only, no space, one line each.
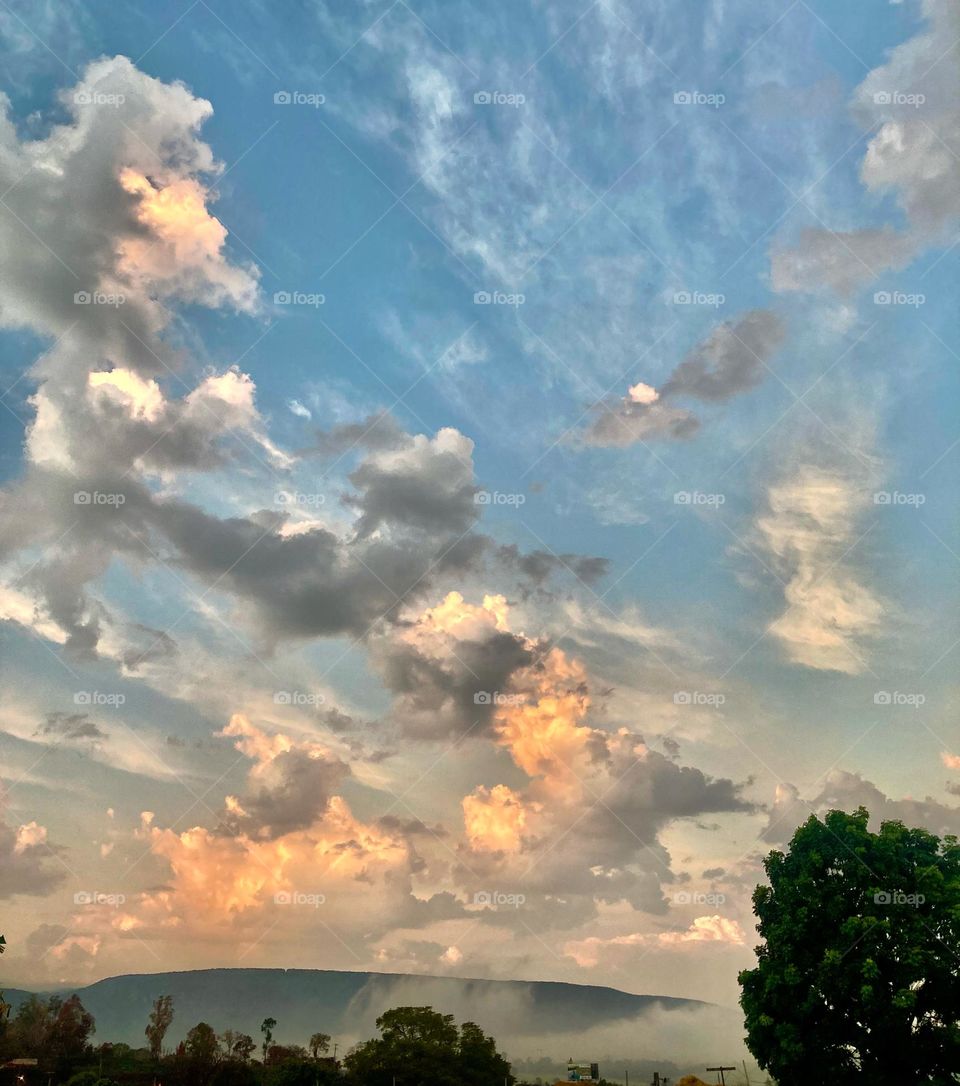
(346,1004)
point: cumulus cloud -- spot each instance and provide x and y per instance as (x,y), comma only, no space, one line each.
(27,861)
(846,791)
(731,360)
(912,103)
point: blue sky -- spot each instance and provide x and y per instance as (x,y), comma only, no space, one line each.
(495,294)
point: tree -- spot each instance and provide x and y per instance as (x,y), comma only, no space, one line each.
(857,980)
(70,1027)
(418,1045)
(267,1026)
(201,1046)
(160,1018)
(319,1044)
(243,1047)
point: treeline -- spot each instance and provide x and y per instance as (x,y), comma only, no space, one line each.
(414,1045)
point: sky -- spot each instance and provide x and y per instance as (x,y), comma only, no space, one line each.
(474,477)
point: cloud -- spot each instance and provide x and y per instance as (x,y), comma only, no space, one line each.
(846,791)
(704,929)
(25,861)
(731,360)
(808,534)
(71,726)
(910,104)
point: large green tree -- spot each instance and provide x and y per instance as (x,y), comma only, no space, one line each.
(858,976)
(418,1046)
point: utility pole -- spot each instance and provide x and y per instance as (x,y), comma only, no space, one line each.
(723,1081)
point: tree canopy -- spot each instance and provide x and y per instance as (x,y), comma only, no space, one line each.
(418,1046)
(858,977)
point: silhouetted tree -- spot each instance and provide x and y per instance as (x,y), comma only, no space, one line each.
(160,1018)
(267,1026)
(201,1046)
(319,1044)
(419,1045)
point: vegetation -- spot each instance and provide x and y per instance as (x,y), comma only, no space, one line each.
(417,1045)
(857,979)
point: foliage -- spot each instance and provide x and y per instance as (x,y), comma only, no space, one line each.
(160,1018)
(319,1044)
(267,1026)
(201,1046)
(53,1028)
(419,1046)
(857,980)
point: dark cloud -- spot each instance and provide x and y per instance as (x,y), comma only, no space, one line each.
(731,360)
(845,792)
(71,726)
(290,792)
